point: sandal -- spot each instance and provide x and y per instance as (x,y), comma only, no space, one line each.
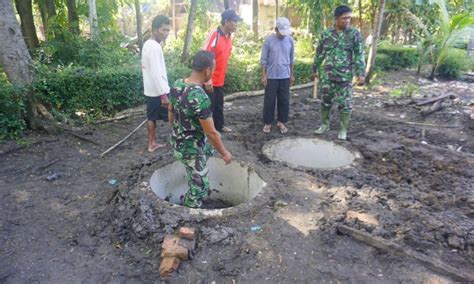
(282,128)
(267,128)
(226,129)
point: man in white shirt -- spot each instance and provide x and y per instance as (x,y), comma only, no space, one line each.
(155,79)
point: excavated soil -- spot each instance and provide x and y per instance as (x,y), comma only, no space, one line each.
(414,181)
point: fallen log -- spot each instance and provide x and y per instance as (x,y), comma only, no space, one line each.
(432,100)
(386,245)
(124,114)
(249,94)
(123,140)
(438,105)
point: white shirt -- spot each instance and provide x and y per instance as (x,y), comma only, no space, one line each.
(155,79)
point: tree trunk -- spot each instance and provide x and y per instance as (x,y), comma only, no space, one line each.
(226,5)
(25,10)
(73,18)
(138,15)
(51,10)
(360,16)
(189,31)
(44,17)
(173,11)
(255,19)
(372,19)
(277,6)
(16,62)
(93,20)
(373,48)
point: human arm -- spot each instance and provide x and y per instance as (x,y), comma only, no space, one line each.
(215,139)
(264,61)
(319,56)
(292,62)
(359,62)
(157,69)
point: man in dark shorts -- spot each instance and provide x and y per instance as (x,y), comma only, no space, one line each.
(155,80)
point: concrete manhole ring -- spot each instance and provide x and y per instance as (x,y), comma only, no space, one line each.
(239,184)
(310,153)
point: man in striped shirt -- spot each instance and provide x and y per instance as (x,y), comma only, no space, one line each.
(219,42)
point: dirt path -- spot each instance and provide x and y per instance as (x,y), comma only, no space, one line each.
(79,228)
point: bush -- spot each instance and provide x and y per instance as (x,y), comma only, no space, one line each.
(12,109)
(74,50)
(456,61)
(395,57)
(90,93)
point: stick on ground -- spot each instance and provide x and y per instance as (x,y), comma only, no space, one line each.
(123,140)
(386,245)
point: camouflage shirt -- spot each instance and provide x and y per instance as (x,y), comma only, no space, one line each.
(342,54)
(190,103)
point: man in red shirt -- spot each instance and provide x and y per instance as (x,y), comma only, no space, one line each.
(219,42)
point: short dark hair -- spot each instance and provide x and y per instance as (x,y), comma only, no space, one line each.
(202,59)
(341,10)
(160,21)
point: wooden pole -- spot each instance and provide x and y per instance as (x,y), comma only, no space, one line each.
(315,88)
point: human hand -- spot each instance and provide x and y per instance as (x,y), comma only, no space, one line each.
(164,100)
(292,80)
(314,76)
(264,82)
(360,81)
(227,157)
(208,87)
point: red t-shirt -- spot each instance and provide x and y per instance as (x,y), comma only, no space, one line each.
(221,45)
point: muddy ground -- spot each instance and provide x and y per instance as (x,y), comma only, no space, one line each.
(415,179)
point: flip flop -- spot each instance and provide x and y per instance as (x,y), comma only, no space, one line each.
(267,128)
(226,129)
(282,128)
(156,147)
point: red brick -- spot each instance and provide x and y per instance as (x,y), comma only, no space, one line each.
(177,251)
(170,241)
(168,265)
(187,233)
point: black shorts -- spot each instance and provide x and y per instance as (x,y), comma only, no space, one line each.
(154,110)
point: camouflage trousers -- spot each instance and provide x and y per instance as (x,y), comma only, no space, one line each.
(196,174)
(336,92)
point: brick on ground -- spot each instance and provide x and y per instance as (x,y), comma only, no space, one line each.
(187,233)
(168,265)
(175,251)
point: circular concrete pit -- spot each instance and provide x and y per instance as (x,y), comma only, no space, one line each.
(310,153)
(231,185)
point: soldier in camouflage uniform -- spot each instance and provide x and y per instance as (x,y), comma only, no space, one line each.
(190,117)
(341,52)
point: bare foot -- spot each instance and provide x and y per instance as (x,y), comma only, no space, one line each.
(155,147)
